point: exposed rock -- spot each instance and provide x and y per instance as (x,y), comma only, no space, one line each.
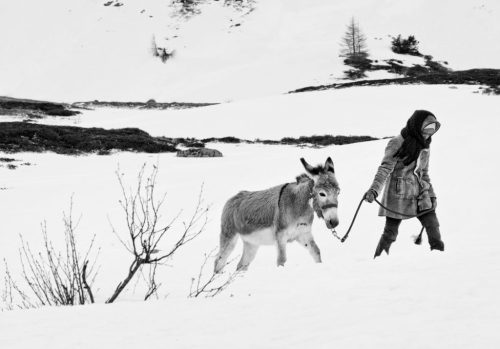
(199,153)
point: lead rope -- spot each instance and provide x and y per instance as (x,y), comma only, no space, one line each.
(418,239)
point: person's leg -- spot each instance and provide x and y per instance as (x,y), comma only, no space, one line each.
(431,225)
(389,235)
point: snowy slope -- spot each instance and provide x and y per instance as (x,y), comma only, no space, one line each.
(69,50)
(413,298)
(82,50)
(351,111)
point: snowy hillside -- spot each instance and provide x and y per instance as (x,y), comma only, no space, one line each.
(83,50)
(245,56)
(413,298)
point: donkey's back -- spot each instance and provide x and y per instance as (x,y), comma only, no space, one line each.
(249,211)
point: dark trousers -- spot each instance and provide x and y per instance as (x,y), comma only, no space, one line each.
(428,220)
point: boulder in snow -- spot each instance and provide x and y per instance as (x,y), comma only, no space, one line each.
(199,153)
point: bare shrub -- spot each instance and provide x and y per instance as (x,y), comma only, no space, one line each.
(166,55)
(7,294)
(52,277)
(154,47)
(146,230)
(215,283)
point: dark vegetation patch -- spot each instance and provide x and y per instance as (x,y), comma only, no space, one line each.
(151,104)
(326,140)
(186,142)
(30,137)
(430,72)
(114,3)
(488,77)
(34,109)
(229,139)
(315,140)
(364,64)
(354,74)
(21,136)
(408,46)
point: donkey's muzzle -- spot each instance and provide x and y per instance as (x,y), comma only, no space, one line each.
(332,223)
(327,206)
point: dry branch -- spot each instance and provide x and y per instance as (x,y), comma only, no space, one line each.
(52,277)
(212,285)
(146,230)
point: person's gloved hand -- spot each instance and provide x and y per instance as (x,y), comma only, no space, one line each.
(434,202)
(370,195)
(424,202)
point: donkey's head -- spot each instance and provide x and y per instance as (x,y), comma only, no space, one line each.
(325,191)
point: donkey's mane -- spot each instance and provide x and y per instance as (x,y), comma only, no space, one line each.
(317,170)
(302,178)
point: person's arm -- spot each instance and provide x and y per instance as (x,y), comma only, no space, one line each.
(387,165)
(426,178)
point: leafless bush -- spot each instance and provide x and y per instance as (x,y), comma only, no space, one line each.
(51,277)
(212,285)
(166,55)
(154,47)
(7,295)
(153,286)
(145,230)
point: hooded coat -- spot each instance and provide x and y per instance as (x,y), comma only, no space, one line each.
(406,188)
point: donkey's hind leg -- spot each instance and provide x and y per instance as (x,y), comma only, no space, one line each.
(249,252)
(227,245)
(308,242)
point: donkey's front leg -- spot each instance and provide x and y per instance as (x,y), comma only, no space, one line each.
(281,244)
(308,242)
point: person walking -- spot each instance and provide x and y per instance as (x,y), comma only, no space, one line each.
(408,191)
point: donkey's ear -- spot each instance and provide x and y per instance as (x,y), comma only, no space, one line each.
(329,165)
(309,168)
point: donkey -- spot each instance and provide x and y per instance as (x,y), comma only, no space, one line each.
(279,215)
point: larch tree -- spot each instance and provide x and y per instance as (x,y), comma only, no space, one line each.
(354,41)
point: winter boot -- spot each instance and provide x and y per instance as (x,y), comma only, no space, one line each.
(437,245)
(383,245)
(431,224)
(388,237)
(435,238)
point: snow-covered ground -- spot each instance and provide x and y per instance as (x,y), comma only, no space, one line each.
(351,111)
(69,50)
(82,50)
(413,298)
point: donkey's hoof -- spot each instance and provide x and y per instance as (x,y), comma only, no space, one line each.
(218,268)
(242,268)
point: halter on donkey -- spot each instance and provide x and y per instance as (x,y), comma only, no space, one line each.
(279,215)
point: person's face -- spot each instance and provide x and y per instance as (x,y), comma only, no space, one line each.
(429,130)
